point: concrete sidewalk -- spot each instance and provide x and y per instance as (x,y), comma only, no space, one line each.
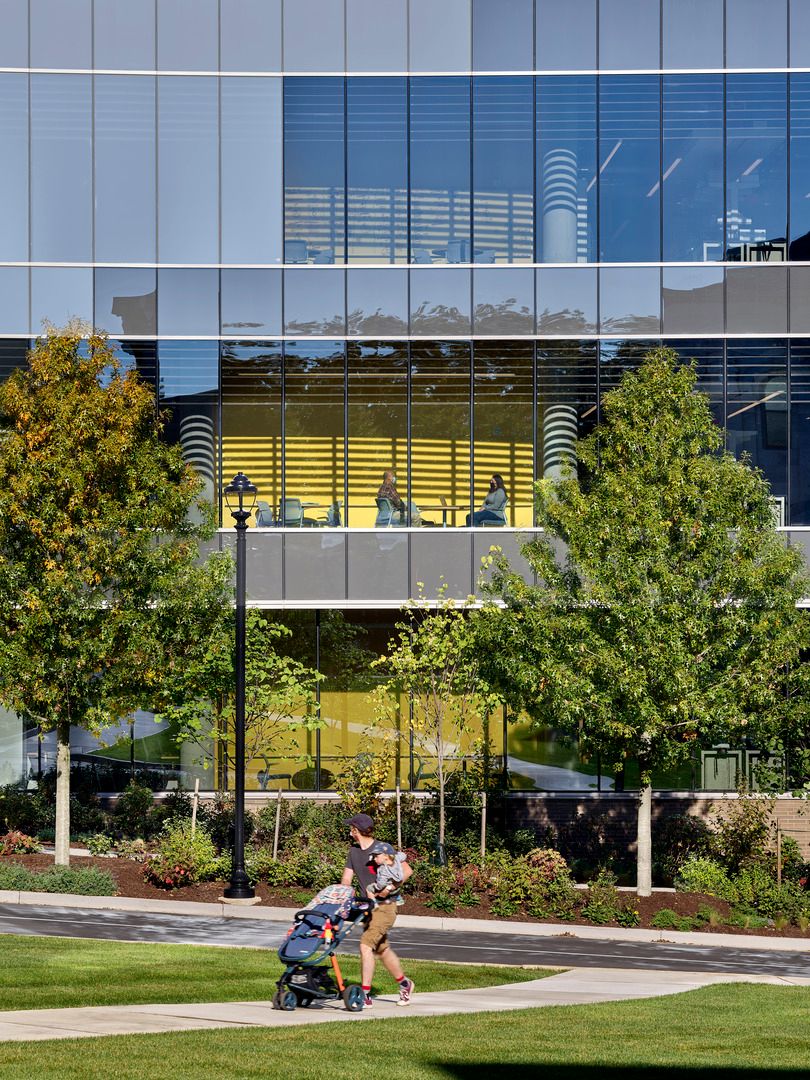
(424,922)
(578,987)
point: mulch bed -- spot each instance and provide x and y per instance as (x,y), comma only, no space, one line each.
(130,881)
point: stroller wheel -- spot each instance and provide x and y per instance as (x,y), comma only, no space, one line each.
(353,998)
(276,1000)
(288,1001)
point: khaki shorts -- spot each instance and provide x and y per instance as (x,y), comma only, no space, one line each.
(375,934)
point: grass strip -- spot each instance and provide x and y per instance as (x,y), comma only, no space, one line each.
(61,973)
(742,1031)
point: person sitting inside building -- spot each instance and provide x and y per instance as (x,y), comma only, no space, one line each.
(388,490)
(493,507)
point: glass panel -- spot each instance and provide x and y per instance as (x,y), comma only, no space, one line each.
(503,419)
(59,294)
(377,302)
(12,767)
(251,421)
(376,35)
(314,35)
(250,35)
(799,250)
(566,403)
(618,357)
(440,170)
(188,170)
(440,301)
(800,33)
(566,169)
(756,300)
(14,174)
(250,302)
(799,300)
(756,33)
(189,389)
(189,302)
(756,168)
(503,169)
(557,48)
(799,433)
(630,177)
(378,433)
(125,198)
(756,417)
(314,302)
(630,300)
(693,168)
(567,301)
(629,34)
(502,35)
(61,199)
(60,34)
(14,300)
(440,431)
(709,359)
(124,34)
(251,170)
(314,446)
(693,33)
(440,35)
(140,355)
(314,174)
(377,170)
(693,300)
(188,35)
(14,39)
(125,301)
(13,354)
(503,301)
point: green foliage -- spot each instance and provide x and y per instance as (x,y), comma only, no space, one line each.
(135,850)
(467,897)
(709,915)
(132,814)
(700,874)
(628,915)
(441,900)
(181,857)
(25,811)
(361,781)
(17,843)
(218,821)
(558,899)
(549,864)
(675,839)
(743,830)
(667,919)
(61,879)
(757,890)
(99,844)
(604,902)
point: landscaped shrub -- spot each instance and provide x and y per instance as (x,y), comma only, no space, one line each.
(219,822)
(136,850)
(743,831)
(603,903)
(549,863)
(557,899)
(361,781)
(18,843)
(674,840)
(586,844)
(182,857)
(84,881)
(99,844)
(667,919)
(703,875)
(16,878)
(757,890)
(22,811)
(132,814)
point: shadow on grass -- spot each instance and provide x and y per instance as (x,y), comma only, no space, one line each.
(558,1071)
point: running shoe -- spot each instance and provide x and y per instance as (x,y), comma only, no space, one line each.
(405,991)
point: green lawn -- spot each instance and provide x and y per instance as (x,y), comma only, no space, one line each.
(734,1031)
(51,973)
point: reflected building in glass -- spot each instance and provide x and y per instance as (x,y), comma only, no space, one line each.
(346,238)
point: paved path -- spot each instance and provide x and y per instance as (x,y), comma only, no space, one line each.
(579,987)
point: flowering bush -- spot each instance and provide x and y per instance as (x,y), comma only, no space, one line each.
(549,864)
(17,843)
(182,857)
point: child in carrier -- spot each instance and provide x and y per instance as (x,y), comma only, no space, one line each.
(387,864)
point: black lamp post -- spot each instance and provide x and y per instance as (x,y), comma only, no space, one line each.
(240,496)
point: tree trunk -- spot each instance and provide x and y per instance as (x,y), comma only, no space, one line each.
(440,778)
(644,838)
(62,839)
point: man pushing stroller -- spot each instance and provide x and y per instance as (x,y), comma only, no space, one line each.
(381,872)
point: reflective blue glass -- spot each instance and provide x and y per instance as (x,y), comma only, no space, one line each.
(189,390)
(440,170)
(440,301)
(566,169)
(799,250)
(756,167)
(61,34)
(188,35)
(756,406)
(440,35)
(124,34)
(629,300)
(125,300)
(314,302)
(692,168)
(692,33)
(250,35)
(14,318)
(566,402)
(251,170)
(503,301)
(756,33)
(314,33)
(629,34)
(14,173)
(503,32)
(61,198)
(567,300)
(376,35)
(377,170)
(188,170)
(629,167)
(125,196)
(800,33)
(377,302)
(799,432)
(314,175)
(617,356)
(709,357)
(250,302)
(188,302)
(557,48)
(503,169)
(59,294)
(14,39)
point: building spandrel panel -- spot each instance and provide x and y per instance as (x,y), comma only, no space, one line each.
(14,318)
(189,302)
(61,34)
(629,34)
(377,302)
(188,35)
(315,302)
(250,35)
(799,291)
(503,33)
(692,300)
(756,300)
(14,39)
(567,301)
(557,49)
(692,33)
(799,33)
(124,35)
(440,35)
(630,300)
(503,301)
(314,35)
(378,566)
(440,301)
(756,33)
(250,302)
(126,301)
(376,35)
(14,174)
(60,294)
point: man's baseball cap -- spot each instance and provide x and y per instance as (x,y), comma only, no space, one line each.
(362,822)
(380,848)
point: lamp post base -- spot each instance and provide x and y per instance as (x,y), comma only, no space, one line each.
(240,901)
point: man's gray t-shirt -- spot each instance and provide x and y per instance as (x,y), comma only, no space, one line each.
(357,860)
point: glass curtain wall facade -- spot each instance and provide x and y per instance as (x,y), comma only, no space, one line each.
(343,238)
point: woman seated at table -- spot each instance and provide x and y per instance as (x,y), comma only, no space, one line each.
(492,508)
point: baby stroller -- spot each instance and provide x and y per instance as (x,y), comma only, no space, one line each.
(313,938)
